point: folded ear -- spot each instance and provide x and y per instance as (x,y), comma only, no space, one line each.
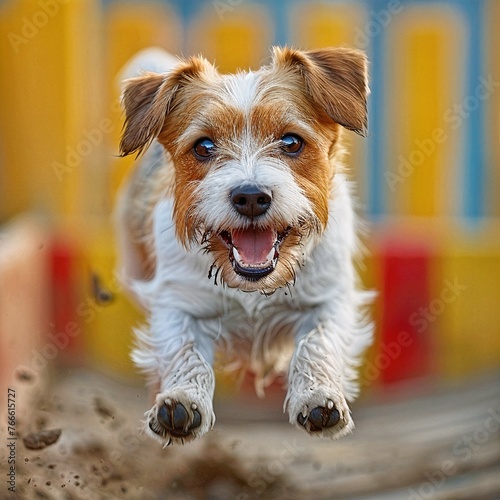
(144,111)
(335,78)
(149,98)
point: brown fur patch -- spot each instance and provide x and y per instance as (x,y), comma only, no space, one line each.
(336,79)
(148,99)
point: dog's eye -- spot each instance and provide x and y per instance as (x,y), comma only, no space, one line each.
(292,144)
(203,148)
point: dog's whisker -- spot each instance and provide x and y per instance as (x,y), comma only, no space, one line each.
(216,275)
(167,228)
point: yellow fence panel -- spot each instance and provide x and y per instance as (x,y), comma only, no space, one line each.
(109,316)
(48,103)
(237,38)
(468,321)
(426,78)
(319,24)
(32,124)
(130,27)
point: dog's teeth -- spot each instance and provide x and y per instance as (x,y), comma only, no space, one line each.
(236,255)
(271,258)
(270,255)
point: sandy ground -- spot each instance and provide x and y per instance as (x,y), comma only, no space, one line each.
(441,443)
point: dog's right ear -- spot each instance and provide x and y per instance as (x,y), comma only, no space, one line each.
(336,80)
(149,98)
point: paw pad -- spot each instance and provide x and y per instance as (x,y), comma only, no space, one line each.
(319,418)
(172,418)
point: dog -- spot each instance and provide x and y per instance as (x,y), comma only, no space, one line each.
(236,229)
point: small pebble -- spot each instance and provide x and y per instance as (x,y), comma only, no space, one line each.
(39,440)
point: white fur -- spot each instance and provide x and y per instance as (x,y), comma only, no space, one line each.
(323,313)
(188,316)
(242,89)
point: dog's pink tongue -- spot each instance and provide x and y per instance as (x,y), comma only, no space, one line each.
(253,245)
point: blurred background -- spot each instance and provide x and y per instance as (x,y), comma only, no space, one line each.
(428,173)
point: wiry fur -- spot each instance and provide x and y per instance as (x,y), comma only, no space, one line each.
(307,314)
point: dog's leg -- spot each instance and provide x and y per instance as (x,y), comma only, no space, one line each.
(180,361)
(333,330)
(315,398)
(329,344)
(323,370)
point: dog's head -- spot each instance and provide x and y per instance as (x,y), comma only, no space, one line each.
(253,153)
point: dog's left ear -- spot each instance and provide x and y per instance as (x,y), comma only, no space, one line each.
(335,78)
(148,100)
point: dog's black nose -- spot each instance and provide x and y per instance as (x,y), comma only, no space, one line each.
(250,200)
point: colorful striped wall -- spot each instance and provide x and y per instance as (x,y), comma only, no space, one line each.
(428,173)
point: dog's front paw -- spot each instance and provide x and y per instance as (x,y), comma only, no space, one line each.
(322,416)
(175,419)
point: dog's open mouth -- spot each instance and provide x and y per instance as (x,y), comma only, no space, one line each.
(254,252)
